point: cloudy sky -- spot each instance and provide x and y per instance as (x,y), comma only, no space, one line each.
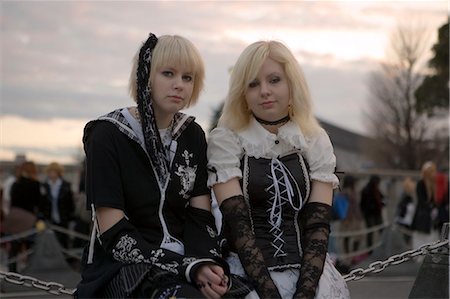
(65,62)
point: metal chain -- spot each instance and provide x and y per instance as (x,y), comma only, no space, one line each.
(356,274)
(28,281)
(379,266)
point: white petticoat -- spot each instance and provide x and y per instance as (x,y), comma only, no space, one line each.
(331,284)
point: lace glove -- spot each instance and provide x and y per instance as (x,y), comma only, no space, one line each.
(237,226)
(124,243)
(315,226)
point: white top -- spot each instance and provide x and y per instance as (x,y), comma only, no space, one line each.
(55,186)
(226,148)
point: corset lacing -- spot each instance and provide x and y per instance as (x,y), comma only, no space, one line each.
(282,192)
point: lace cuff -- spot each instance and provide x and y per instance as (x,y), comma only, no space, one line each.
(237,228)
(315,228)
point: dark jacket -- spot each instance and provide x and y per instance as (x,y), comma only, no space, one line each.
(422,219)
(26,194)
(371,202)
(66,205)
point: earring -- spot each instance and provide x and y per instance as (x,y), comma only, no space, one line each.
(290,111)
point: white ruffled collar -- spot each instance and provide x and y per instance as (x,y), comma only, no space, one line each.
(259,142)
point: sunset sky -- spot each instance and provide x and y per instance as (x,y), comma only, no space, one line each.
(65,62)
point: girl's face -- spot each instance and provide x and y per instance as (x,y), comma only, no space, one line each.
(53,175)
(268,95)
(172,90)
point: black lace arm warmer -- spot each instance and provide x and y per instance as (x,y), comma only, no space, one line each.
(315,226)
(237,227)
(124,243)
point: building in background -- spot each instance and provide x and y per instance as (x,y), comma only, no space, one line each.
(349,149)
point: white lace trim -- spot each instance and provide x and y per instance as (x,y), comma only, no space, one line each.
(258,142)
(225,149)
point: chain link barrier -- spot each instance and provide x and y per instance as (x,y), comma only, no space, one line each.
(356,274)
(53,288)
(397,259)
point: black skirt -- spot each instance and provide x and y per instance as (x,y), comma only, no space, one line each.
(146,281)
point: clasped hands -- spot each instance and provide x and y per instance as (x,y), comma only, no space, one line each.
(212,281)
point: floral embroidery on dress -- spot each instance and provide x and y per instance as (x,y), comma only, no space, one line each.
(188,260)
(186,174)
(171,267)
(215,252)
(212,233)
(156,255)
(124,251)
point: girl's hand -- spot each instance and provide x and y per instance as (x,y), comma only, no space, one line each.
(212,281)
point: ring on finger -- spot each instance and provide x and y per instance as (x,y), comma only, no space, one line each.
(200,285)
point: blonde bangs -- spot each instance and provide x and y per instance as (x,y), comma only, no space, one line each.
(302,106)
(236,114)
(176,51)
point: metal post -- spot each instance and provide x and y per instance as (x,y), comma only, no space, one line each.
(432,281)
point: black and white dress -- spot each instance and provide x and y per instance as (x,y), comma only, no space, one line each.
(275,172)
(119,174)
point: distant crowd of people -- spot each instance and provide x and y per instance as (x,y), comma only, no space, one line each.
(422,209)
(26,200)
(424,206)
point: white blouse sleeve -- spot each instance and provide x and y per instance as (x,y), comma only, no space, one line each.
(321,159)
(224,156)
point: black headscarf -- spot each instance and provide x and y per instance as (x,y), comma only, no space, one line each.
(153,143)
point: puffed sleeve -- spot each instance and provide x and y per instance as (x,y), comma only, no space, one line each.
(321,159)
(224,154)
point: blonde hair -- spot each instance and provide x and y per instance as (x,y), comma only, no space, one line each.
(55,166)
(428,172)
(236,114)
(172,51)
(409,185)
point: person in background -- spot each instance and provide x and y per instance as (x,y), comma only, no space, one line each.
(59,205)
(82,215)
(406,207)
(271,167)
(372,205)
(26,190)
(6,187)
(26,202)
(353,221)
(426,211)
(442,199)
(154,234)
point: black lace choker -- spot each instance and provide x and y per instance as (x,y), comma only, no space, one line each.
(272,123)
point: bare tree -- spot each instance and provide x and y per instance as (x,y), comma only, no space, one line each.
(400,131)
